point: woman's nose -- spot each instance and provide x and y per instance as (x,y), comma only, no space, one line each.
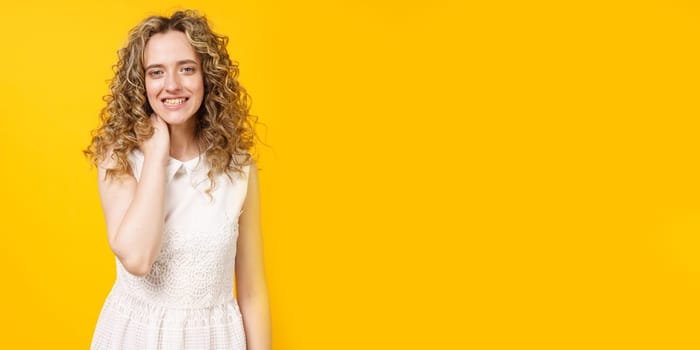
(172,82)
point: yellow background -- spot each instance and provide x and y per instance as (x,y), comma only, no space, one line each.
(439,175)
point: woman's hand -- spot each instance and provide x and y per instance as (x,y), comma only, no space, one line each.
(158,146)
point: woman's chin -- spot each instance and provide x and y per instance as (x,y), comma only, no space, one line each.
(175,119)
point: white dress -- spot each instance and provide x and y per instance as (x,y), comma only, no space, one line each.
(186,301)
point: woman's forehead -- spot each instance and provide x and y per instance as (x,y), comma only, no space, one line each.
(168,48)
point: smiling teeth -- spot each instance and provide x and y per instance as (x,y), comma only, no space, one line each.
(174,101)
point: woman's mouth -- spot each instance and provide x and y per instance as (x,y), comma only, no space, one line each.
(174,101)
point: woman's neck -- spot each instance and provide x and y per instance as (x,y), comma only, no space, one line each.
(183,144)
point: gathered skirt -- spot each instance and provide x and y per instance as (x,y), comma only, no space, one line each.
(126,322)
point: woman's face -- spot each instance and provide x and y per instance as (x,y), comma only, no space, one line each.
(174,82)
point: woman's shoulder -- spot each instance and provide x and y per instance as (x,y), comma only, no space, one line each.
(110,160)
(110,163)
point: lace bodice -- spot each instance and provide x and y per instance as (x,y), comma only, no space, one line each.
(196,262)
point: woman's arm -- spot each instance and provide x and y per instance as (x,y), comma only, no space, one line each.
(250,271)
(135,211)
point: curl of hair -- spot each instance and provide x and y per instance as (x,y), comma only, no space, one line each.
(224,125)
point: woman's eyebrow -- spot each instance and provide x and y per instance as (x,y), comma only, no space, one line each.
(179,63)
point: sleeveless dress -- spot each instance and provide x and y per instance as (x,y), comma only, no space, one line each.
(186,301)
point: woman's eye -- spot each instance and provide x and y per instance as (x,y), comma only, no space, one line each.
(155,73)
(188,69)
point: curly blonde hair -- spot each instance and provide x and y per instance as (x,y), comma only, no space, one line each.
(223,122)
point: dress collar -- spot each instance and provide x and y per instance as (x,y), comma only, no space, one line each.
(196,169)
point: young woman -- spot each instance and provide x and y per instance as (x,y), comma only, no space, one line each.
(179,191)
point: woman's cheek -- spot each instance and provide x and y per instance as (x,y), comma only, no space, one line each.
(152,91)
